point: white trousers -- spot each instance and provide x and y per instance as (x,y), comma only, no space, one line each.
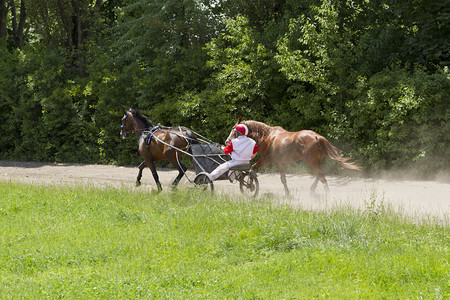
(222,168)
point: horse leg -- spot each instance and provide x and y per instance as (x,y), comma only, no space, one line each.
(316,168)
(155,176)
(171,157)
(314,185)
(282,171)
(181,170)
(284,182)
(141,168)
(260,163)
(149,163)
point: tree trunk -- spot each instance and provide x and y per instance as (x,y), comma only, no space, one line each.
(76,19)
(3,17)
(18,28)
(66,23)
(21,29)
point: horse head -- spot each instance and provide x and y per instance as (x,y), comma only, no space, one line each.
(233,132)
(128,123)
(134,122)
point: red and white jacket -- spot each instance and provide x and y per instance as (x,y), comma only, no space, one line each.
(241,148)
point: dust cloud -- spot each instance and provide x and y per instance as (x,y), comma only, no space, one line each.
(426,200)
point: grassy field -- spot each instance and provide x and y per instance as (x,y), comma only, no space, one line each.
(85,243)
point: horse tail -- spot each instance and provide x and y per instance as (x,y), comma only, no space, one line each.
(333,153)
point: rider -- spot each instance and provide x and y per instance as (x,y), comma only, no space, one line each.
(242,149)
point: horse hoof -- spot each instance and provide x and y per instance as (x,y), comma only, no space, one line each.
(138,184)
(155,192)
(314,195)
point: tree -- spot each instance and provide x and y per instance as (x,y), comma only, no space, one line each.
(159,46)
(3,21)
(368,74)
(18,23)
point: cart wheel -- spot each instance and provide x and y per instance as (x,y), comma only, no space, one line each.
(203,181)
(248,183)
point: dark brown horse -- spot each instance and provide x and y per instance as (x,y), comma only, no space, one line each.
(155,143)
(279,147)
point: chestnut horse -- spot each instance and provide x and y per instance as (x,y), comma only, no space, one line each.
(279,147)
(155,143)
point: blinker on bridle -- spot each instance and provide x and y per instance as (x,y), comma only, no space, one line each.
(123,127)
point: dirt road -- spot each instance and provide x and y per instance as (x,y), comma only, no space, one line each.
(428,200)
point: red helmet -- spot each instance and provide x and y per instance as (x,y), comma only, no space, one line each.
(242,129)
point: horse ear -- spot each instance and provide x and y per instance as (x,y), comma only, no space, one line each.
(240,119)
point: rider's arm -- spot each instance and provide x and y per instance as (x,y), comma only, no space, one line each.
(228,149)
(255,150)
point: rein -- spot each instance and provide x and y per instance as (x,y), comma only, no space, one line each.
(188,139)
(165,129)
(129,131)
(149,133)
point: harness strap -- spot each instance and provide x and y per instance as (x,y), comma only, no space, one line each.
(150,135)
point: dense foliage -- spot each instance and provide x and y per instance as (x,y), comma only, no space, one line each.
(372,76)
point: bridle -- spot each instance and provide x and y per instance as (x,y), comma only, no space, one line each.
(123,127)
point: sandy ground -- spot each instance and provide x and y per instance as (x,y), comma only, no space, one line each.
(424,200)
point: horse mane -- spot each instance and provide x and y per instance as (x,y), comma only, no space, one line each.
(258,130)
(138,115)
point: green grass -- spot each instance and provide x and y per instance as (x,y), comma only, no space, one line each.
(85,243)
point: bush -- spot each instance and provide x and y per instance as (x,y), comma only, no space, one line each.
(399,119)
